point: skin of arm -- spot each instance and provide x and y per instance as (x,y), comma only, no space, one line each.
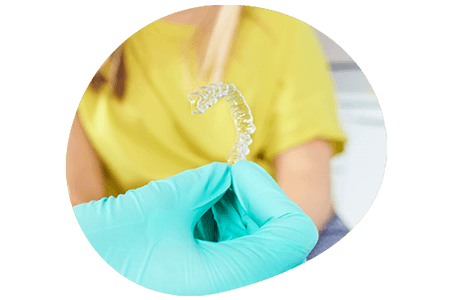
(84,169)
(303,173)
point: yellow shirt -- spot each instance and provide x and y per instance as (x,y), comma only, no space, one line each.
(276,62)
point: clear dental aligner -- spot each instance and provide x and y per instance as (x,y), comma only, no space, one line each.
(205,97)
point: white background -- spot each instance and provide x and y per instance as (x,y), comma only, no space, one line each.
(357,173)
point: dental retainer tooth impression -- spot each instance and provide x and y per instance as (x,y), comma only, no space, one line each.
(206,96)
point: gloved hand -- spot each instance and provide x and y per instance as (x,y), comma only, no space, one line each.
(147,234)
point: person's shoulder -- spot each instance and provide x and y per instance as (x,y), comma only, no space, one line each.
(266,14)
(271,18)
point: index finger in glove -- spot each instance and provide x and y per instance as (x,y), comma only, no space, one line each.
(259,194)
(189,194)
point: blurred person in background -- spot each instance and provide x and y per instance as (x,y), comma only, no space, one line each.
(134,125)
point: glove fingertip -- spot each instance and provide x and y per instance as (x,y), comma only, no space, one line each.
(251,173)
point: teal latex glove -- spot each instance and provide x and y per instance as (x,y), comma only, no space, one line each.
(147,234)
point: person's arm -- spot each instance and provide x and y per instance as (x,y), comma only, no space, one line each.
(303,173)
(84,169)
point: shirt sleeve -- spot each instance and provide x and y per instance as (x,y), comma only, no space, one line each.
(305,107)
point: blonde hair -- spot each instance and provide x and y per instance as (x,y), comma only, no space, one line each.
(211,41)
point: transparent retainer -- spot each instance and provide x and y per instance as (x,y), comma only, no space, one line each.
(205,97)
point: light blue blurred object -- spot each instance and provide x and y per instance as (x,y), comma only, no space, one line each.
(147,234)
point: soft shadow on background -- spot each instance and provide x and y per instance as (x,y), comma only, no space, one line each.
(357,172)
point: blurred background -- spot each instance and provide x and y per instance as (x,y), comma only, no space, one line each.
(357,172)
